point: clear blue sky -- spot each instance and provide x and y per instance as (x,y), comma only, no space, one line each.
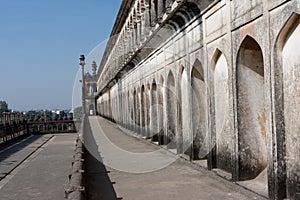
(40,44)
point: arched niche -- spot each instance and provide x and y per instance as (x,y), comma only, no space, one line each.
(154,112)
(129,99)
(288,45)
(147,110)
(143,110)
(138,110)
(198,111)
(183,112)
(171,105)
(221,108)
(161,112)
(134,110)
(251,110)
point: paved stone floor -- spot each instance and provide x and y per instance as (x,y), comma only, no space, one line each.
(37,167)
(177,181)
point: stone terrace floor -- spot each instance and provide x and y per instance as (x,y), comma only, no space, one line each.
(178,181)
(36,167)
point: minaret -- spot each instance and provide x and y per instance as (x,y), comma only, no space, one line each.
(94,67)
(92,88)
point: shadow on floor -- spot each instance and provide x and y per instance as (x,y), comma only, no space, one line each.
(97,182)
(15,145)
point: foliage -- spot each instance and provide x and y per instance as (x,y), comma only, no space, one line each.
(45,115)
(3,108)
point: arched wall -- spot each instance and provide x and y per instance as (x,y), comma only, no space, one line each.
(231,113)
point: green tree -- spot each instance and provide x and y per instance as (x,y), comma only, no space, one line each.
(3,107)
(55,117)
(61,115)
(70,116)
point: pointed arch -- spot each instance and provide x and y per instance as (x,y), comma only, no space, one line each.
(171,100)
(198,111)
(184,138)
(197,70)
(223,147)
(251,110)
(154,112)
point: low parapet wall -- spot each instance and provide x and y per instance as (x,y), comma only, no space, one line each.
(76,189)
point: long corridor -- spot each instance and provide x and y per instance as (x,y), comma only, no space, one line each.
(136,169)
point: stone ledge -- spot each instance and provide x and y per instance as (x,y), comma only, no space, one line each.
(75,189)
